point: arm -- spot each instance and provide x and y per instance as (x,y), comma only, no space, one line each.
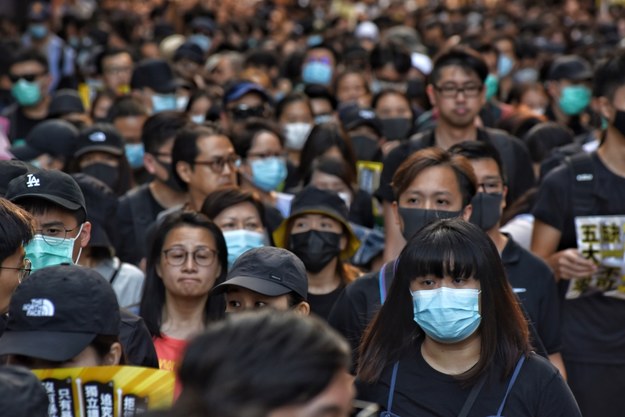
(556,360)
(566,264)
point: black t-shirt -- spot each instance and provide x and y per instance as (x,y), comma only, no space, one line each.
(136,340)
(593,327)
(534,284)
(514,154)
(321,304)
(420,390)
(136,211)
(361,209)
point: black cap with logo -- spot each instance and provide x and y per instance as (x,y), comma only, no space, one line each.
(58,311)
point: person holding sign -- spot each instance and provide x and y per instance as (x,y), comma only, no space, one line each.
(593,324)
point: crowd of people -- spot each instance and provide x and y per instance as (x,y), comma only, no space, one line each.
(317,208)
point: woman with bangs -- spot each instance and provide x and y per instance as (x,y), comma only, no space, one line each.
(451,339)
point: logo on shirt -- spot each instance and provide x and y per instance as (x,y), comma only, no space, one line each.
(39,307)
(32,181)
(584,177)
(97,137)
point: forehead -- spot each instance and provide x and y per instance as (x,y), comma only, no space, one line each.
(186,234)
(56,215)
(438,178)
(244,209)
(27,67)
(457,74)
(485,167)
(217,145)
(266,139)
(316,217)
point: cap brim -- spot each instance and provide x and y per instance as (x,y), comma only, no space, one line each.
(50,346)
(25,152)
(53,198)
(261,286)
(279,235)
(108,149)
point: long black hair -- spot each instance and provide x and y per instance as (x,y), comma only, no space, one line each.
(153,298)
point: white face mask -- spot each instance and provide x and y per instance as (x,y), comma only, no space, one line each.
(198,118)
(296,135)
(346,197)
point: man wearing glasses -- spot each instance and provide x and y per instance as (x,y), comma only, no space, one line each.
(456,90)
(16,229)
(203,159)
(243,100)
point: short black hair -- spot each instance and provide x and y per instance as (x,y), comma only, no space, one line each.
(474,149)
(16,228)
(161,127)
(609,76)
(223,198)
(251,128)
(392,53)
(30,54)
(126,106)
(106,53)
(39,206)
(185,146)
(459,56)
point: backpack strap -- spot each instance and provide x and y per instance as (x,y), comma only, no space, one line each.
(513,379)
(391,392)
(383,283)
(583,173)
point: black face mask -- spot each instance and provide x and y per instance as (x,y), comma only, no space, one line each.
(396,128)
(106,173)
(316,249)
(486,210)
(619,122)
(415,219)
(171,179)
(366,148)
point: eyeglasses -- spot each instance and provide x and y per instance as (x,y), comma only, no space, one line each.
(28,77)
(117,70)
(491,187)
(452,90)
(57,232)
(217,165)
(243,111)
(23,272)
(201,256)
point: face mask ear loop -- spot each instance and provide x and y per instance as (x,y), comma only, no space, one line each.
(79,249)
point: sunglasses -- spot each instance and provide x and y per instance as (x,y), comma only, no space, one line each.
(28,77)
(242,111)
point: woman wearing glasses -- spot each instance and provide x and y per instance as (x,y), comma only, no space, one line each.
(187,259)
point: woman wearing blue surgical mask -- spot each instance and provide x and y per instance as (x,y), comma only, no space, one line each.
(451,339)
(264,167)
(239,214)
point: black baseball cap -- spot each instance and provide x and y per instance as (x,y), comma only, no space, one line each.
(352,116)
(52,185)
(269,271)
(55,137)
(65,101)
(11,169)
(570,67)
(190,51)
(58,311)
(103,137)
(312,200)
(155,74)
(101,208)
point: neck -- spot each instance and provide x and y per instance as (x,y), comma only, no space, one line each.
(165,196)
(37,111)
(561,118)
(612,152)
(183,317)
(324,281)
(196,200)
(499,239)
(266,197)
(453,358)
(447,136)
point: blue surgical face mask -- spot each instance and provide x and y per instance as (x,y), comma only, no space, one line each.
(198,119)
(574,99)
(37,30)
(163,102)
(134,154)
(240,241)
(26,93)
(316,72)
(492,86)
(447,315)
(268,173)
(49,251)
(504,65)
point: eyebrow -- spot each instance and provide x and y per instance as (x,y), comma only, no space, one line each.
(55,223)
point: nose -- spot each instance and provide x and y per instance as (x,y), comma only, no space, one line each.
(189,263)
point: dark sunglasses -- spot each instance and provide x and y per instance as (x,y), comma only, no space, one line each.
(28,77)
(242,112)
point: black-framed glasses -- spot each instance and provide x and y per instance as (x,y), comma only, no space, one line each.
(201,256)
(55,234)
(28,77)
(217,164)
(23,272)
(452,90)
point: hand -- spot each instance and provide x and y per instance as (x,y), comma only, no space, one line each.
(568,264)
